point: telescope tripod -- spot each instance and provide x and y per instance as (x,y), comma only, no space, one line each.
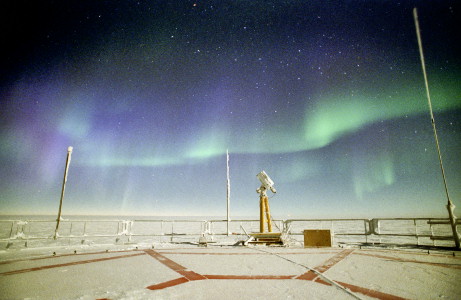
(264,211)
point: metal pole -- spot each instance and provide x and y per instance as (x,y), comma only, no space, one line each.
(228,193)
(450,206)
(69,153)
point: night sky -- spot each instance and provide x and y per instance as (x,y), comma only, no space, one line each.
(327,97)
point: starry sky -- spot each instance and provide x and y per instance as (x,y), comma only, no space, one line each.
(327,97)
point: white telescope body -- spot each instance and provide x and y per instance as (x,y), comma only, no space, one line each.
(266,181)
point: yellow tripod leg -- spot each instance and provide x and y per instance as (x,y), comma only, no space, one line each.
(262,208)
(268,214)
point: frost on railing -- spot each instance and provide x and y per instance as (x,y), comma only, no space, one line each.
(124,227)
(17,231)
(20,228)
(408,231)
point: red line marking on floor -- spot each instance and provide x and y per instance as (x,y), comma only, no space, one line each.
(311,275)
(190,275)
(444,265)
(70,264)
(62,255)
(167,284)
(369,292)
(449,254)
(334,260)
(320,280)
(249,277)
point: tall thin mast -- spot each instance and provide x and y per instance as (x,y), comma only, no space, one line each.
(228,192)
(450,206)
(69,153)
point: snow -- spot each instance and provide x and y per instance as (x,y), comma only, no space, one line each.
(412,280)
(252,289)
(252,264)
(125,272)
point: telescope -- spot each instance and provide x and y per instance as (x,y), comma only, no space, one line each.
(266,182)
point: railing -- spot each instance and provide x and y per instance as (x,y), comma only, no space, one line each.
(400,231)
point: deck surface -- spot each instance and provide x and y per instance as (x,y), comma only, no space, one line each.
(230,272)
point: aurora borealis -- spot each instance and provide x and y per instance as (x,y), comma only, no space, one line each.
(326,96)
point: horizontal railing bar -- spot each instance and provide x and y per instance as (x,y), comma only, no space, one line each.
(418,218)
(322,220)
(442,238)
(224,233)
(442,220)
(363,234)
(169,221)
(458,222)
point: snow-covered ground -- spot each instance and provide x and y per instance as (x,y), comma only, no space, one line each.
(171,271)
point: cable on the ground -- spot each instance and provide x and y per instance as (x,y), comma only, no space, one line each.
(324,277)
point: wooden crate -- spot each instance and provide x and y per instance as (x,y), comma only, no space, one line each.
(317,238)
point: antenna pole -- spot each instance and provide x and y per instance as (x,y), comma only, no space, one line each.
(450,206)
(228,192)
(69,153)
